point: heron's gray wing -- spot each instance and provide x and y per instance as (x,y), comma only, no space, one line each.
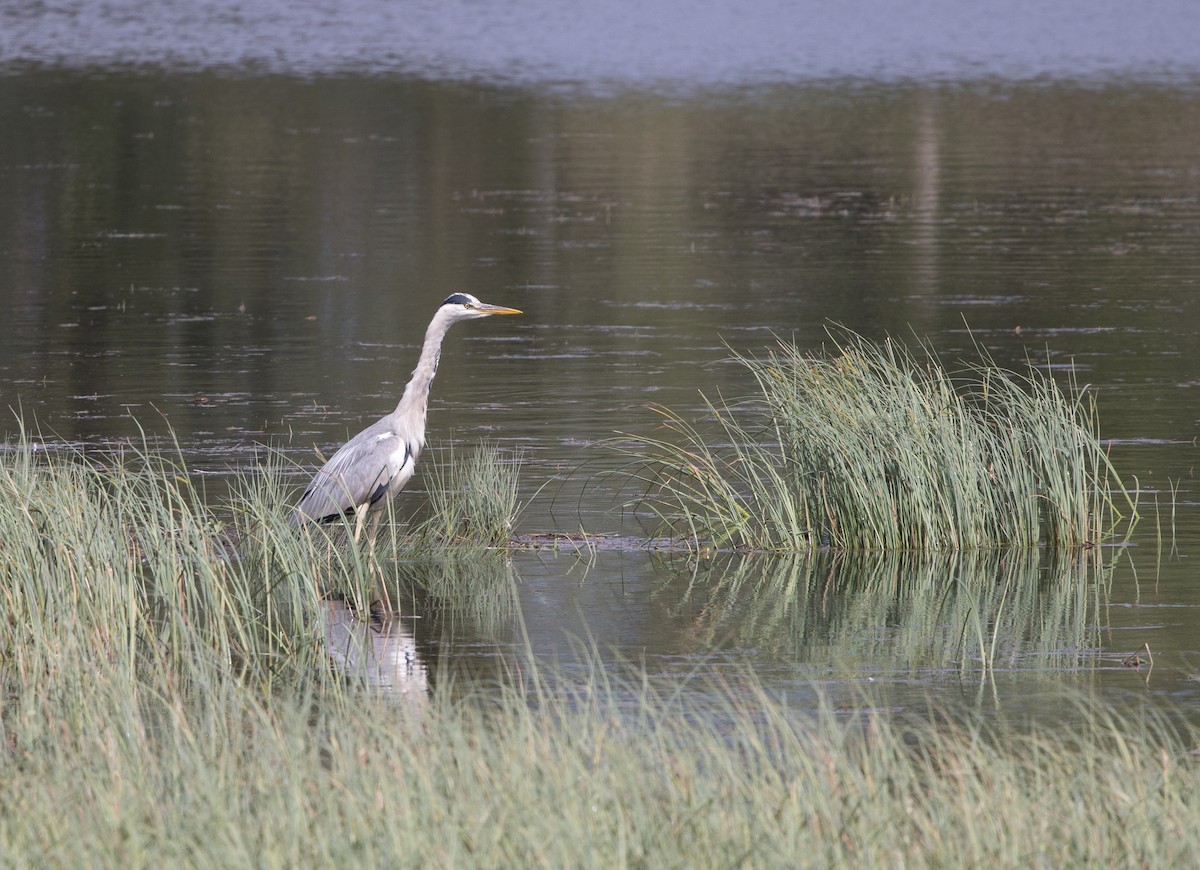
(357,474)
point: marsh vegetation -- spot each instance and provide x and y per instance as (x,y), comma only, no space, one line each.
(873,446)
(170,697)
(203,684)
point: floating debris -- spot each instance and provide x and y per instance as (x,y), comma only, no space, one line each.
(1135,660)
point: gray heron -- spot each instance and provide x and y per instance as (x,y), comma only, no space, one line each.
(369,469)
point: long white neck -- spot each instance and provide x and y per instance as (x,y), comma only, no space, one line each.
(410,411)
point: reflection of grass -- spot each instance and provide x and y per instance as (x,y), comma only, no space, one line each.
(963,610)
(454,585)
(875,448)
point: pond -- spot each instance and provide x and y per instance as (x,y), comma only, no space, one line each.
(244,246)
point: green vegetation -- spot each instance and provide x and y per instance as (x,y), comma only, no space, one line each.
(120,556)
(872,447)
(173,696)
(246,780)
(473,499)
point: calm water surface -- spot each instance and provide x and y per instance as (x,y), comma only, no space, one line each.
(251,256)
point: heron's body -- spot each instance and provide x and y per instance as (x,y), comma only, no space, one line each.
(374,465)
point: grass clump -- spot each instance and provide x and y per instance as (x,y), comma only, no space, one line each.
(116,558)
(873,447)
(473,499)
(118,555)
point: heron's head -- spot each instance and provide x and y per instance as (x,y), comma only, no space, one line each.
(464,306)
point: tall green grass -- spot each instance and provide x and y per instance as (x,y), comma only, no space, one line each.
(614,773)
(474,498)
(875,447)
(124,545)
(169,698)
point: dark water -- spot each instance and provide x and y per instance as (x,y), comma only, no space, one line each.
(246,242)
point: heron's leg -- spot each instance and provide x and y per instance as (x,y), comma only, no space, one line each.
(373,528)
(360,513)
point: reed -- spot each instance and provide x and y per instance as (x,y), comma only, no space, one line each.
(873,447)
(473,499)
(125,543)
(636,773)
(117,555)
(171,697)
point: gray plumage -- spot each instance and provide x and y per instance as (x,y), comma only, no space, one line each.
(375,464)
